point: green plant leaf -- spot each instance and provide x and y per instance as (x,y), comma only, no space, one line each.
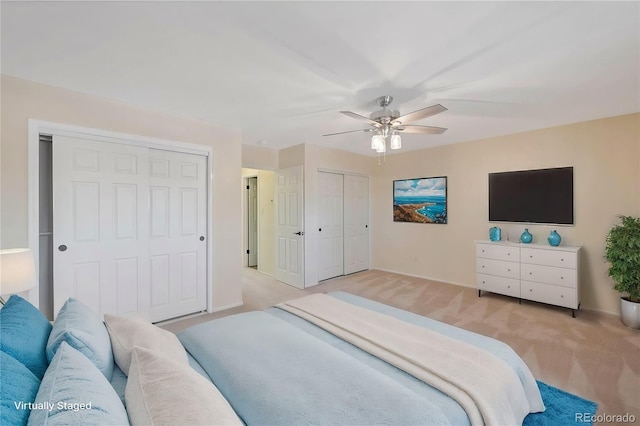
(622,251)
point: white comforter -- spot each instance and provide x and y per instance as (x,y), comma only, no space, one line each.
(485,386)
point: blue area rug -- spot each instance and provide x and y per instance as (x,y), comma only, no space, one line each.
(562,408)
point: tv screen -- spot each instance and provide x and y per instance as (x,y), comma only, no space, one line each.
(533,196)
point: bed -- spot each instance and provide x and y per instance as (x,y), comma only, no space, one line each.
(322,359)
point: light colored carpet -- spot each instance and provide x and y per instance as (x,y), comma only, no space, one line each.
(593,355)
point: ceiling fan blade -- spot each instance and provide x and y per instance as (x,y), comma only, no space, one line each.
(422,129)
(419,114)
(350,131)
(360,117)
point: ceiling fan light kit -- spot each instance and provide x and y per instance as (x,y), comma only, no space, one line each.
(387,124)
(396,141)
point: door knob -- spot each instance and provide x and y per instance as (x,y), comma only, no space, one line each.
(299,233)
(201,237)
(319,229)
(62,247)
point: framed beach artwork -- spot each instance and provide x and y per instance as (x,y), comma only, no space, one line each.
(422,200)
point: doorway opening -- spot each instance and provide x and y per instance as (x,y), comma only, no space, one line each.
(258,229)
(252,222)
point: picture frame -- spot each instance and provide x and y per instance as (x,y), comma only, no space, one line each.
(420,200)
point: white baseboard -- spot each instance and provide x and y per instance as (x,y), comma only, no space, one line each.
(224,308)
(440,280)
(582,308)
(599,311)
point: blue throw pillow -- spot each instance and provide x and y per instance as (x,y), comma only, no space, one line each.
(23,334)
(75,392)
(18,387)
(83,330)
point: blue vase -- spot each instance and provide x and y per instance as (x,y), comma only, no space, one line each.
(526,237)
(495,234)
(554,238)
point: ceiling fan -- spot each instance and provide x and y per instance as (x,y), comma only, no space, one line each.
(388,124)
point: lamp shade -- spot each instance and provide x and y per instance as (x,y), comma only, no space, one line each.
(396,141)
(17,270)
(377,141)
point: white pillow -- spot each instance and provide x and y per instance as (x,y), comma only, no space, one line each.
(163,392)
(126,333)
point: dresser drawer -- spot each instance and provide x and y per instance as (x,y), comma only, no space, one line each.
(500,268)
(498,252)
(551,294)
(501,285)
(563,259)
(549,275)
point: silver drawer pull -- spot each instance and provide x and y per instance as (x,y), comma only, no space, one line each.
(561,296)
(530,273)
(508,270)
(508,286)
(531,289)
(482,282)
(562,278)
(483,250)
(531,256)
(508,254)
(561,260)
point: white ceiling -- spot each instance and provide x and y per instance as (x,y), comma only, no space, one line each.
(281,71)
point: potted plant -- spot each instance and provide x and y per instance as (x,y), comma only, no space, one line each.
(622,251)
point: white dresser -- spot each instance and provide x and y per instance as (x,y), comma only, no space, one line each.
(529,271)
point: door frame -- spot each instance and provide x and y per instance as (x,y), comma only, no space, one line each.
(36,127)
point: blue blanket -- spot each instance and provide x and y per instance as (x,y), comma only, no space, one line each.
(277,369)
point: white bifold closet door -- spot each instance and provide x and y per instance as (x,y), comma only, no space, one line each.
(343,232)
(129,225)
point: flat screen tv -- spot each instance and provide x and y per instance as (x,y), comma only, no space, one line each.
(532,196)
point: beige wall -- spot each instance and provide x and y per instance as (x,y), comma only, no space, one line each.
(604,154)
(291,157)
(22,100)
(266,219)
(258,157)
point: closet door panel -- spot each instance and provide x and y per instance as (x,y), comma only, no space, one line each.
(331,226)
(356,223)
(177,193)
(100,242)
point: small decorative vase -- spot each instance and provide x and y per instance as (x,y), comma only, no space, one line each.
(495,234)
(526,237)
(554,238)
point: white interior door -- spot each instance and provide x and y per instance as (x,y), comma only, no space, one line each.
(356,223)
(178,229)
(290,226)
(331,225)
(101,249)
(252,226)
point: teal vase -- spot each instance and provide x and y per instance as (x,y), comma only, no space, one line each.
(526,237)
(554,238)
(495,234)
